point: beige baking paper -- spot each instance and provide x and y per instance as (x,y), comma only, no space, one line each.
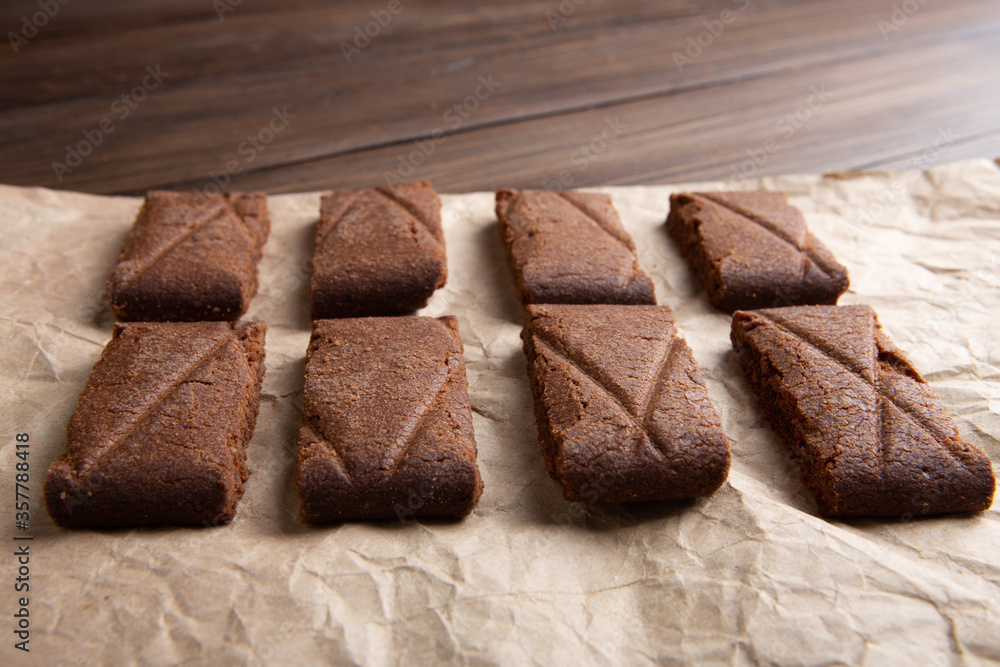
(749,576)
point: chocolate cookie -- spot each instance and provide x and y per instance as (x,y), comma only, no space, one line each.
(753,250)
(622,411)
(160,432)
(190,257)
(569,247)
(386,424)
(871,437)
(378,252)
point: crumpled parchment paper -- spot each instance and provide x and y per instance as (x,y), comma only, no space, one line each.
(748,576)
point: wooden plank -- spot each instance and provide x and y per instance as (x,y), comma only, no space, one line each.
(184,132)
(193,43)
(109,16)
(985,146)
(711,133)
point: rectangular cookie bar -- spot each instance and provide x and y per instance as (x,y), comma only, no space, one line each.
(753,250)
(569,247)
(871,437)
(190,257)
(386,424)
(622,411)
(160,432)
(378,252)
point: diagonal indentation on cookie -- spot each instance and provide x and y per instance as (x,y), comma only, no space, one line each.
(863,368)
(420,423)
(620,236)
(412,211)
(553,348)
(347,201)
(244,226)
(773,230)
(127,427)
(662,372)
(208,217)
(335,455)
(596,221)
(829,353)
(884,432)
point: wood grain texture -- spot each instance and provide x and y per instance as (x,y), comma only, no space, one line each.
(264,97)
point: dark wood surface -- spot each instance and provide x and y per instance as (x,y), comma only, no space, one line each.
(589,91)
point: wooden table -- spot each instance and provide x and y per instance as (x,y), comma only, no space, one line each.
(120,96)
